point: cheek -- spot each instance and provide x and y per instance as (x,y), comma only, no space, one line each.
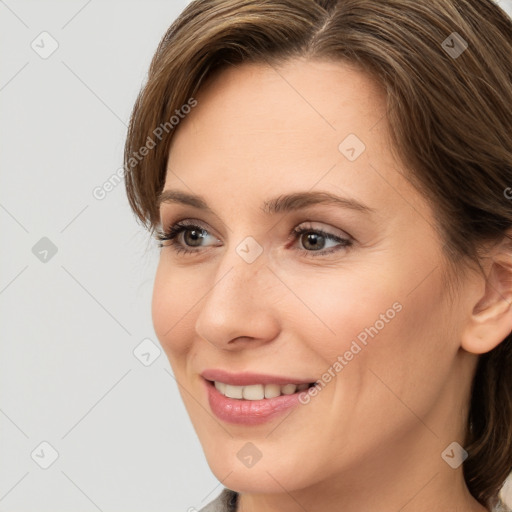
(172,308)
(336,309)
(376,321)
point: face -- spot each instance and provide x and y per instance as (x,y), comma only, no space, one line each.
(348,293)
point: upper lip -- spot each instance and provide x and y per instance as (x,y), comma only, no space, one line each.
(248,378)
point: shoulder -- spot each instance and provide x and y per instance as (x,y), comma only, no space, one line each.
(225,502)
(501,506)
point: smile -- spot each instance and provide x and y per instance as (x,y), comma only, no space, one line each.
(258,391)
(251,398)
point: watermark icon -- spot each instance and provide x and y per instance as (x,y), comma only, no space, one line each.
(44,45)
(351,147)
(44,455)
(454,45)
(348,355)
(249,455)
(147,352)
(101,191)
(44,250)
(249,250)
(508,193)
(454,455)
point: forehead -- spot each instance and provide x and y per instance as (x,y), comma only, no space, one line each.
(273,128)
(298,99)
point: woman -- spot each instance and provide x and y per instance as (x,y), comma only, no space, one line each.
(330,182)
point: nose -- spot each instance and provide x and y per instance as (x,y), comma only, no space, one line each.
(240,305)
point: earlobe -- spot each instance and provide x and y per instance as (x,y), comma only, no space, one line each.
(490,320)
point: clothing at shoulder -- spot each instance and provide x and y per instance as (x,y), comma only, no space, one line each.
(225,502)
(501,507)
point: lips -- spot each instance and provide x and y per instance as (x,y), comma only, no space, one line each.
(251,411)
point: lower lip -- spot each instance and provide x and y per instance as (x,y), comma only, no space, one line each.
(248,412)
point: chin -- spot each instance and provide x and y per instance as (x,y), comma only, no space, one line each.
(257,481)
(265,476)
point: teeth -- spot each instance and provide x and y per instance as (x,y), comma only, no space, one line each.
(258,391)
(221,387)
(288,389)
(272,390)
(255,392)
(234,391)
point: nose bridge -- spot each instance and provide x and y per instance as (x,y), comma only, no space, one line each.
(236,277)
(237,304)
(244,270)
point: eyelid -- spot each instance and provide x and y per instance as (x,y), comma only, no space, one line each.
(310,225)
(188,221)
(170,216)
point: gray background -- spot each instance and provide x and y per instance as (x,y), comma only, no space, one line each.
(70,321)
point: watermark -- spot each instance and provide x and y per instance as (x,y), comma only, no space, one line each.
(44,250)
(44,45)
(249,249)
(249,455)
(454,455)
(454,45)
(101,191)
(147,352)
(351,147)
(508,193)
(44,455)
(348,355)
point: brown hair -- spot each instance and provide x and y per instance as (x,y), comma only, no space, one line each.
(450,120)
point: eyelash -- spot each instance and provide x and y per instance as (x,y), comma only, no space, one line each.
(174,231)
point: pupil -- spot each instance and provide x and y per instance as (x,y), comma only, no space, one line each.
(314,240)
(195,236)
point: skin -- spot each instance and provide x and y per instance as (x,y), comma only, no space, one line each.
(372,439)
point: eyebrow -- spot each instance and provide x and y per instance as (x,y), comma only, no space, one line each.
(279,204)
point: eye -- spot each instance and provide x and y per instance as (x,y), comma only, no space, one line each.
(187,237)
(315,241)
(183,235)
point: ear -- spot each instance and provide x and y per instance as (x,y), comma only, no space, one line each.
(490,320)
